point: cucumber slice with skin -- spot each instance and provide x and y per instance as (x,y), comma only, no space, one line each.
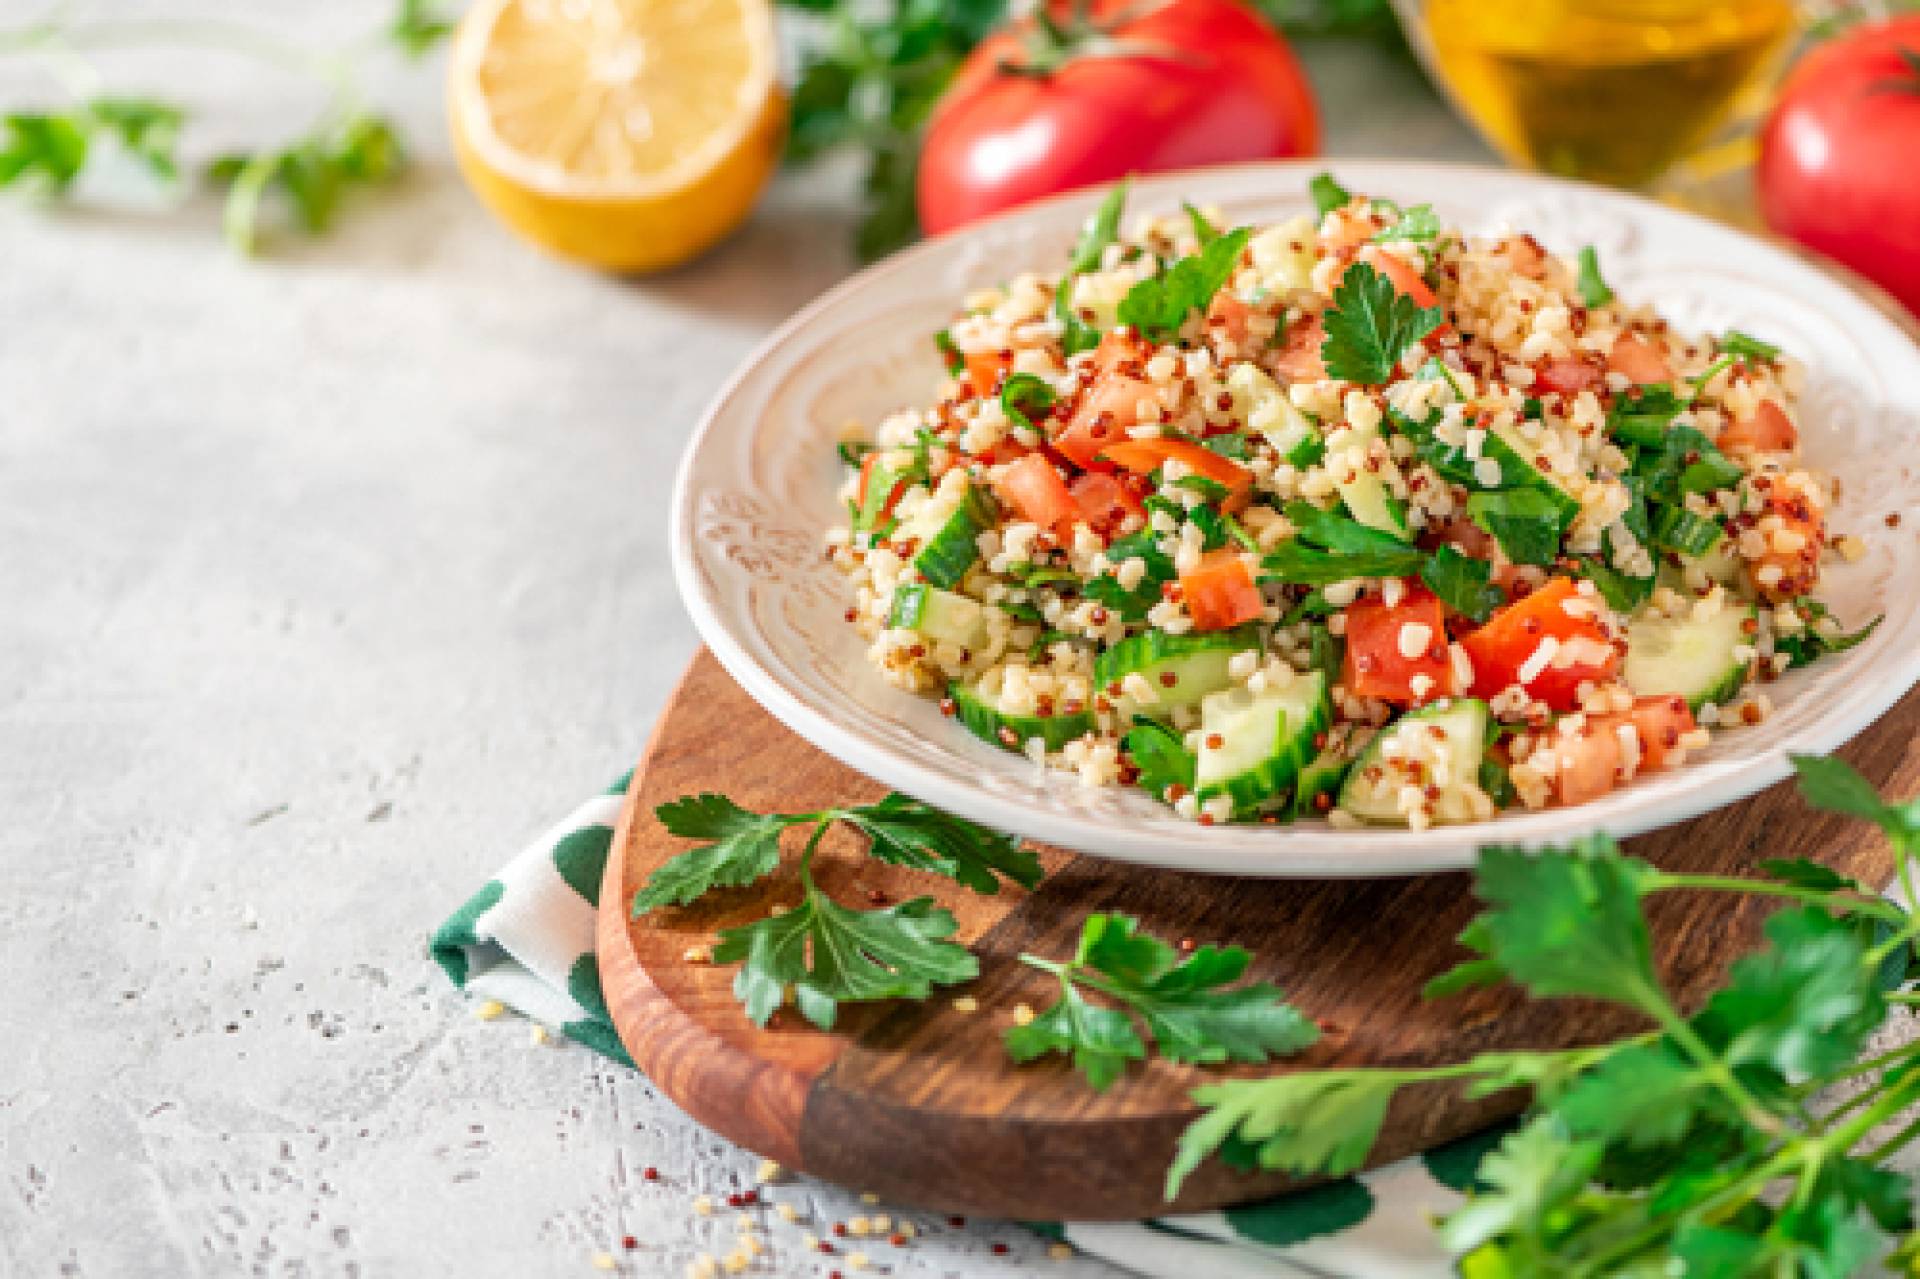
(1264,739)
(1181,669)
(881,483)
(1456,737)
(1693,658)
(1319,783)
(951,550)
(1369,500)
(940,615)
(1518,470)
(1266,409)
(983,717)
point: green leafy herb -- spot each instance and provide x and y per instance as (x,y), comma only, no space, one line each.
(1641,416)
(1024,397)
(1335,532)
(1748,347)
(1161,756)
(1210,489)
(1203,230)
(852,452)
(1418,224)
(1033,576)
(1593,289)
(1688,1146)
(1816,640)
(1525,521)
(1157,306)
(1682,531)
(1370,326)
(312,175)
(950,354)
(1622,593)
(826,953)
(418,27)
(1190,1006)
(1132,605)
(1462,583)
(50,149)
(1233,444)
(1301,565)
(1101,231)
(1328,194)
(1212,526)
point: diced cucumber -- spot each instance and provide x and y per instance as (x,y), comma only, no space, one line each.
(1265,408)
(1285,255)
(1518,469)
(940,615)
(1456,741)
(947,552)
(984,718)
(1691,657)
(1368,499)
(1181,669)
(882,480)
(1264,738)
(1319,782)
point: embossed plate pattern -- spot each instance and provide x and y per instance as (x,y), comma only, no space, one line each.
(756,493)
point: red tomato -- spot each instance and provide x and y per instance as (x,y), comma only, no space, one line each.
(1179,84)
(985,370)
(1111,404)
(1566,377)
(1228,316)
(1407,282)
(1837,155)
(1660,722)
(1769,430)
(1297,358)
(1035,490)
(1376,664)
(1105,503)
(1639,360)
(1505,644)
(1219,591)
(1591,764)
(1143,457)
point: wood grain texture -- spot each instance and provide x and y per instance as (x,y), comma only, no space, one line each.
(919,1103)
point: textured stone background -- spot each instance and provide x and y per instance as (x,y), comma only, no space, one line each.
(325,579)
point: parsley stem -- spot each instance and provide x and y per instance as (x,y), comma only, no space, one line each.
(1818,897)
(1682,1033)
(1866,1067)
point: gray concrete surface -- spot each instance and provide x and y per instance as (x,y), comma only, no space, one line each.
(325,580)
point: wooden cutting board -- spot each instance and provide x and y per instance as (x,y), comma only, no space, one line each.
(918,1102)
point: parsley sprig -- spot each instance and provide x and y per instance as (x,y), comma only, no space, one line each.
(1692,1147)
(46,151)
(1191,1007)
(825,953)
(1370,326)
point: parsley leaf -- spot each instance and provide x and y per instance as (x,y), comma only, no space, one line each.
(950,353)
(1805,1005)
(1319,1122)
(907,832)
(1189,1005)
(416,28)
(1336,532)
(1157,306)
(1328,194)
(1100,232)
(1462,583)
(1642,414)
(313,174)
(745,847)
(1813,642)
(46,149)
(1622,593)
(1024,396)
(1593,289)
(1161,756)
(1301,565)
(1525,521)
(1203,230)
(1747,347)
(1370,326)
(830,954)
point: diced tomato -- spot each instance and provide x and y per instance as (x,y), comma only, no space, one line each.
(985,369)
(1593,761)
(1219,591)
(866,479)
(1376,661)
(1769,430)
(1143,457)
(1035,490)
(1502,647)
(1661,722)
(1526,255)
(1106,410)
(1105,502)
(1566,377)
(1121,351)
(1639,360)
(1406,281)
(1800,567)
(1228,316)
(1005,449)
(1297,358)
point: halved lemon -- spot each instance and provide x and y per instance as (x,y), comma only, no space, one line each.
(628,134)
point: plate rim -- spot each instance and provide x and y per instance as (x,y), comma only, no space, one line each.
(1366,852)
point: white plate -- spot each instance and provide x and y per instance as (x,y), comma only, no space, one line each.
(756,495)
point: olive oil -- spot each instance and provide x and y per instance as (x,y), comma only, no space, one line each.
(1611,90)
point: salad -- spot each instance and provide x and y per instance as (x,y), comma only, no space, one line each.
(1349,516)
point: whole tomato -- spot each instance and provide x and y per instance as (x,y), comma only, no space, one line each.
(1838,155)
(1097,93)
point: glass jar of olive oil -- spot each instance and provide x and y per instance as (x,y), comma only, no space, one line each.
(1610,90)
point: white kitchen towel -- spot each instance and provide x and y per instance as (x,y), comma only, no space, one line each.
(526,939)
